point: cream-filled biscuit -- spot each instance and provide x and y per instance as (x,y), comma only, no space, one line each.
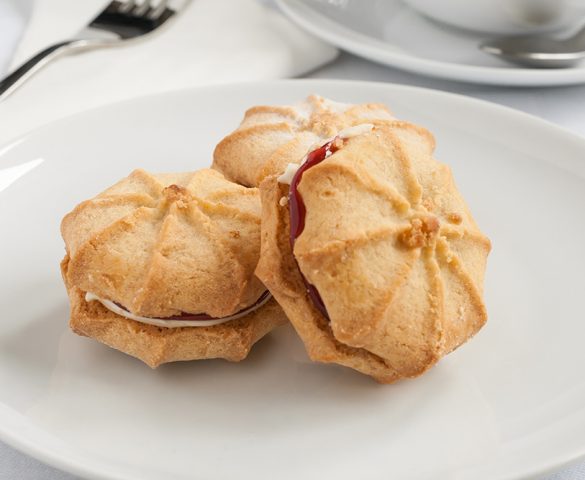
(372,252)
(270,137)
(161,266)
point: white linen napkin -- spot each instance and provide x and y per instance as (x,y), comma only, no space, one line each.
(11,24)
(212,41)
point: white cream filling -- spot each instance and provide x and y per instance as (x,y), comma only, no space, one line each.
(356,130)
(333,106)
(160,322)
(350,132)
(289,173)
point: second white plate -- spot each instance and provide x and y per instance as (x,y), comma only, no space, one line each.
(391,33)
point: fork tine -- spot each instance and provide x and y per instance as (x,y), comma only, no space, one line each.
(158,10)
(141,9)
(132,18)
(125,6)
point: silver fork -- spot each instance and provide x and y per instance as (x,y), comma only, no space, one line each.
(121,20)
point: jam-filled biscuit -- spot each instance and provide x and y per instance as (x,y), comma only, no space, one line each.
(161,266)
(372,252)
(270,137)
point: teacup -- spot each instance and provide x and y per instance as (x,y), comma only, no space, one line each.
(505,16)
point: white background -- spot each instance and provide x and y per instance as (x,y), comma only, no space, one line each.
(563,105)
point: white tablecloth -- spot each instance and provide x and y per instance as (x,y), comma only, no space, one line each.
(564,106)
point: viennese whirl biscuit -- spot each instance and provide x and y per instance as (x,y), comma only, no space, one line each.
(372,252)
(270,137)
(161,266)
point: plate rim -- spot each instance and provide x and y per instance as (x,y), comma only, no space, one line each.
(377,51)
(538,122)
(40,452)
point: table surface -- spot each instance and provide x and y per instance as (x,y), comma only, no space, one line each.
(564,106)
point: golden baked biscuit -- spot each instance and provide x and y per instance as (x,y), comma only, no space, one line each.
(172,257)
(270,137)
(385,272)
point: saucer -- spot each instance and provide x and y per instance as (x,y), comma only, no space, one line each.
(393,34)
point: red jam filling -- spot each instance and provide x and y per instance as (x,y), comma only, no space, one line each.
(298,212)
(204,316)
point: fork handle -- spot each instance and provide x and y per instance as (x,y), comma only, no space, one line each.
(14,80)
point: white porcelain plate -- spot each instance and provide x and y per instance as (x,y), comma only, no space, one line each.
(509,403)
(391,33)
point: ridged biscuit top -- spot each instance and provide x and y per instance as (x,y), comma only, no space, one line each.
(270,137)
(165,244)
(392,248)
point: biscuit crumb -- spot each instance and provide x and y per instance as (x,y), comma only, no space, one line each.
(337,143)
(428,204)
(176,193)
(283,202)
(461,313)
(421,233)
